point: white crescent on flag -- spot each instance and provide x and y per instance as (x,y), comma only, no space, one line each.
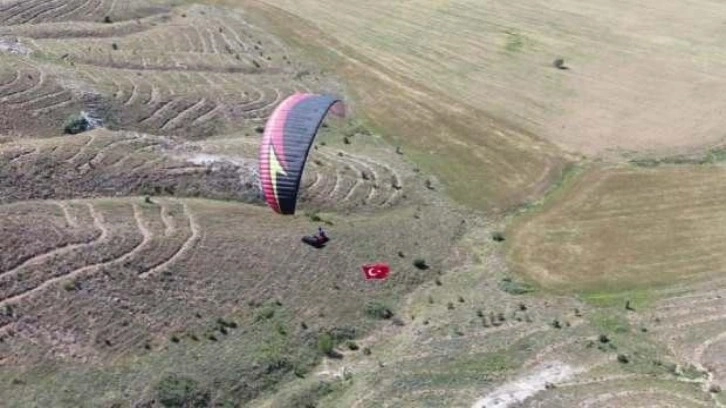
(376,271)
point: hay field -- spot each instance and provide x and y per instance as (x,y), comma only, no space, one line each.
(625,228)
(641,74)
(455,141)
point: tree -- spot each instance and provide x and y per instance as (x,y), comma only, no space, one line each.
(559,63)
(76,124)
(420,263)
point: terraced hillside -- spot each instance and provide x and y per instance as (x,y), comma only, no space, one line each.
(190,72)
(114,277)
(139,266)
(16,12)
(121,277)
(103,163)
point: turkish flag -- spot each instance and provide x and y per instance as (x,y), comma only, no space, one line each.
(376,271)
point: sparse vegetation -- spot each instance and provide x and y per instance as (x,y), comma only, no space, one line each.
(559,63)
(309,397)
(514,288)
(326,345)
(378,310)
(420,263)
(177,391)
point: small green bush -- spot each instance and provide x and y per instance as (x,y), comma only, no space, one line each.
(420,263)
(70,286)
(378,310)
(514,288)
(178,391)
(326,344)
(498,237)
(76,124)
(265,314)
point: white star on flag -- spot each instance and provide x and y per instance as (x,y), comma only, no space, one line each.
(376,271)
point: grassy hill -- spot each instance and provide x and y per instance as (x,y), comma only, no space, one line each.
(554,234)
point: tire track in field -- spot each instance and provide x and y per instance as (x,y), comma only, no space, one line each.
(24,154)
(188,244)
(82,149)
(94,267)
(100,238)
(629,394)
(70,220)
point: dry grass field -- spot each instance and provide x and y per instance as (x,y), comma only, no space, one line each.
(642,75)
(569,221)
(628,227)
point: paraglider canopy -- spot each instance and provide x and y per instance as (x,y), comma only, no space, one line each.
(288,136)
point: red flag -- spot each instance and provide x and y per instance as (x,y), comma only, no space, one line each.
(376,271)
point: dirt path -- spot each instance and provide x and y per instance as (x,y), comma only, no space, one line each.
(524,387)
(194,227)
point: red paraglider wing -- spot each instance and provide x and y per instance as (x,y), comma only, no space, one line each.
(376,271)
(289,134)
